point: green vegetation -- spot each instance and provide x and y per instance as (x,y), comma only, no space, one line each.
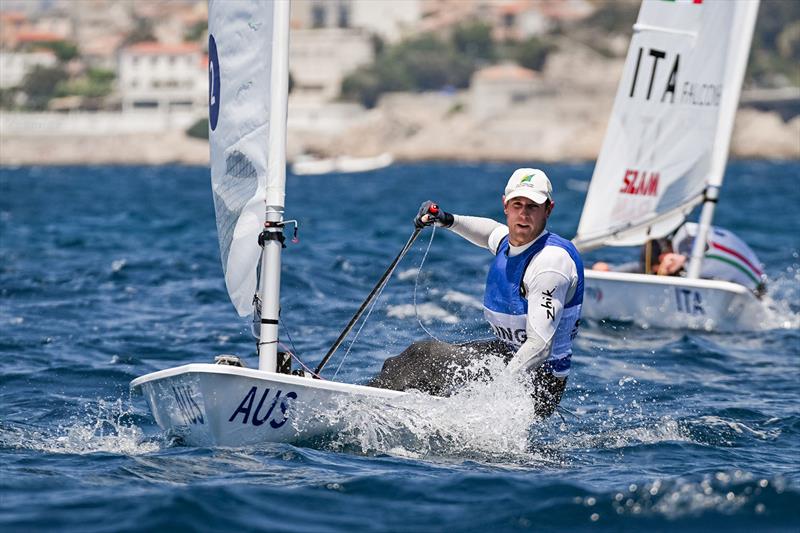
(196,31)
(96,83)
(776,45)
(65,51)
(613,18)
(428,62)
(7,98)
(142,32)
(532,53)
(40,85)
(474,41)
(199,130)
(423,63)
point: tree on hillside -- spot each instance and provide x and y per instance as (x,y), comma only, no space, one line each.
(532,53)
(40,85)
(65,51)
(96,83)
(423,63)
(776,44)
(142,32)
(474,40)
(613,17)
(196,31)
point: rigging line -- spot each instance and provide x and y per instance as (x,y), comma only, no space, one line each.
(293,356)
(358,331)
(378,287)
(416,283)
(377,297)
(294,350)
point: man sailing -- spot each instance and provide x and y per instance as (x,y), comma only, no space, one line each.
(532,300)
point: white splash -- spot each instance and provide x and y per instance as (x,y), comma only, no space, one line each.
(427,312)
(779,308)
(407,274)
(488,419)
(612,436)
(102,429)
(462,299)
(739,428)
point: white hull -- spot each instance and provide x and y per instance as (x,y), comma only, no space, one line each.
(219,405)
(347,164)
(671,302)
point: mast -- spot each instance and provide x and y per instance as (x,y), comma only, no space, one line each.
(270,278)
(739,49)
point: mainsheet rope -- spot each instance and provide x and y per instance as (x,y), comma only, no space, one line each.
(378,296)
(416,283)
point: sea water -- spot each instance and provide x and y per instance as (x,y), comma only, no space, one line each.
(108,273)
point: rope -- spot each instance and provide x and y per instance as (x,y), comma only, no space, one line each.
(293,356)
(416,283)
(358,331)
(293,349)
(377,297)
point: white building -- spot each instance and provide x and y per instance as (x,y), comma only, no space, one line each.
(331,38)
(320,59)
(164,77)
(15,65)
(389,19)
(392,20)
(493,90)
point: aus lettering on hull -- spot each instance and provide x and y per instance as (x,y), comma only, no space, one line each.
(275,418)
(188,408)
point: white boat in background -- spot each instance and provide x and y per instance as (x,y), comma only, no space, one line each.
(664,153)
(226,403)
(310,165)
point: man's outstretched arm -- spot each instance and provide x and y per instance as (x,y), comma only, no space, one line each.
(477,230)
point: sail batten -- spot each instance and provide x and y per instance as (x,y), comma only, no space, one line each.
(669,130)
(650,27)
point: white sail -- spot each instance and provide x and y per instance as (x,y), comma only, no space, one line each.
(670,127)
(240,60)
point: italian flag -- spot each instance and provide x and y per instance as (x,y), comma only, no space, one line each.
(723,254)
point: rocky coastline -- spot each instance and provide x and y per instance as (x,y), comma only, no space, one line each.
(567,129)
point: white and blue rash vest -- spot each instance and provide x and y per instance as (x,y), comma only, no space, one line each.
(506,304)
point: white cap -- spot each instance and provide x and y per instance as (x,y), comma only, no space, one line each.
(531,183)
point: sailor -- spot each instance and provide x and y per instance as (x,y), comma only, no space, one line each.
(726,258)
(657,254)
(532,300)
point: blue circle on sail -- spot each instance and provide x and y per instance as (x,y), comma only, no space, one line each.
(213,83)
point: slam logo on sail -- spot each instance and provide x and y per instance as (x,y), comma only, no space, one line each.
(640,183)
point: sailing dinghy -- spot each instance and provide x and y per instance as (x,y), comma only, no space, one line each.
(227,404)
(664,153)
